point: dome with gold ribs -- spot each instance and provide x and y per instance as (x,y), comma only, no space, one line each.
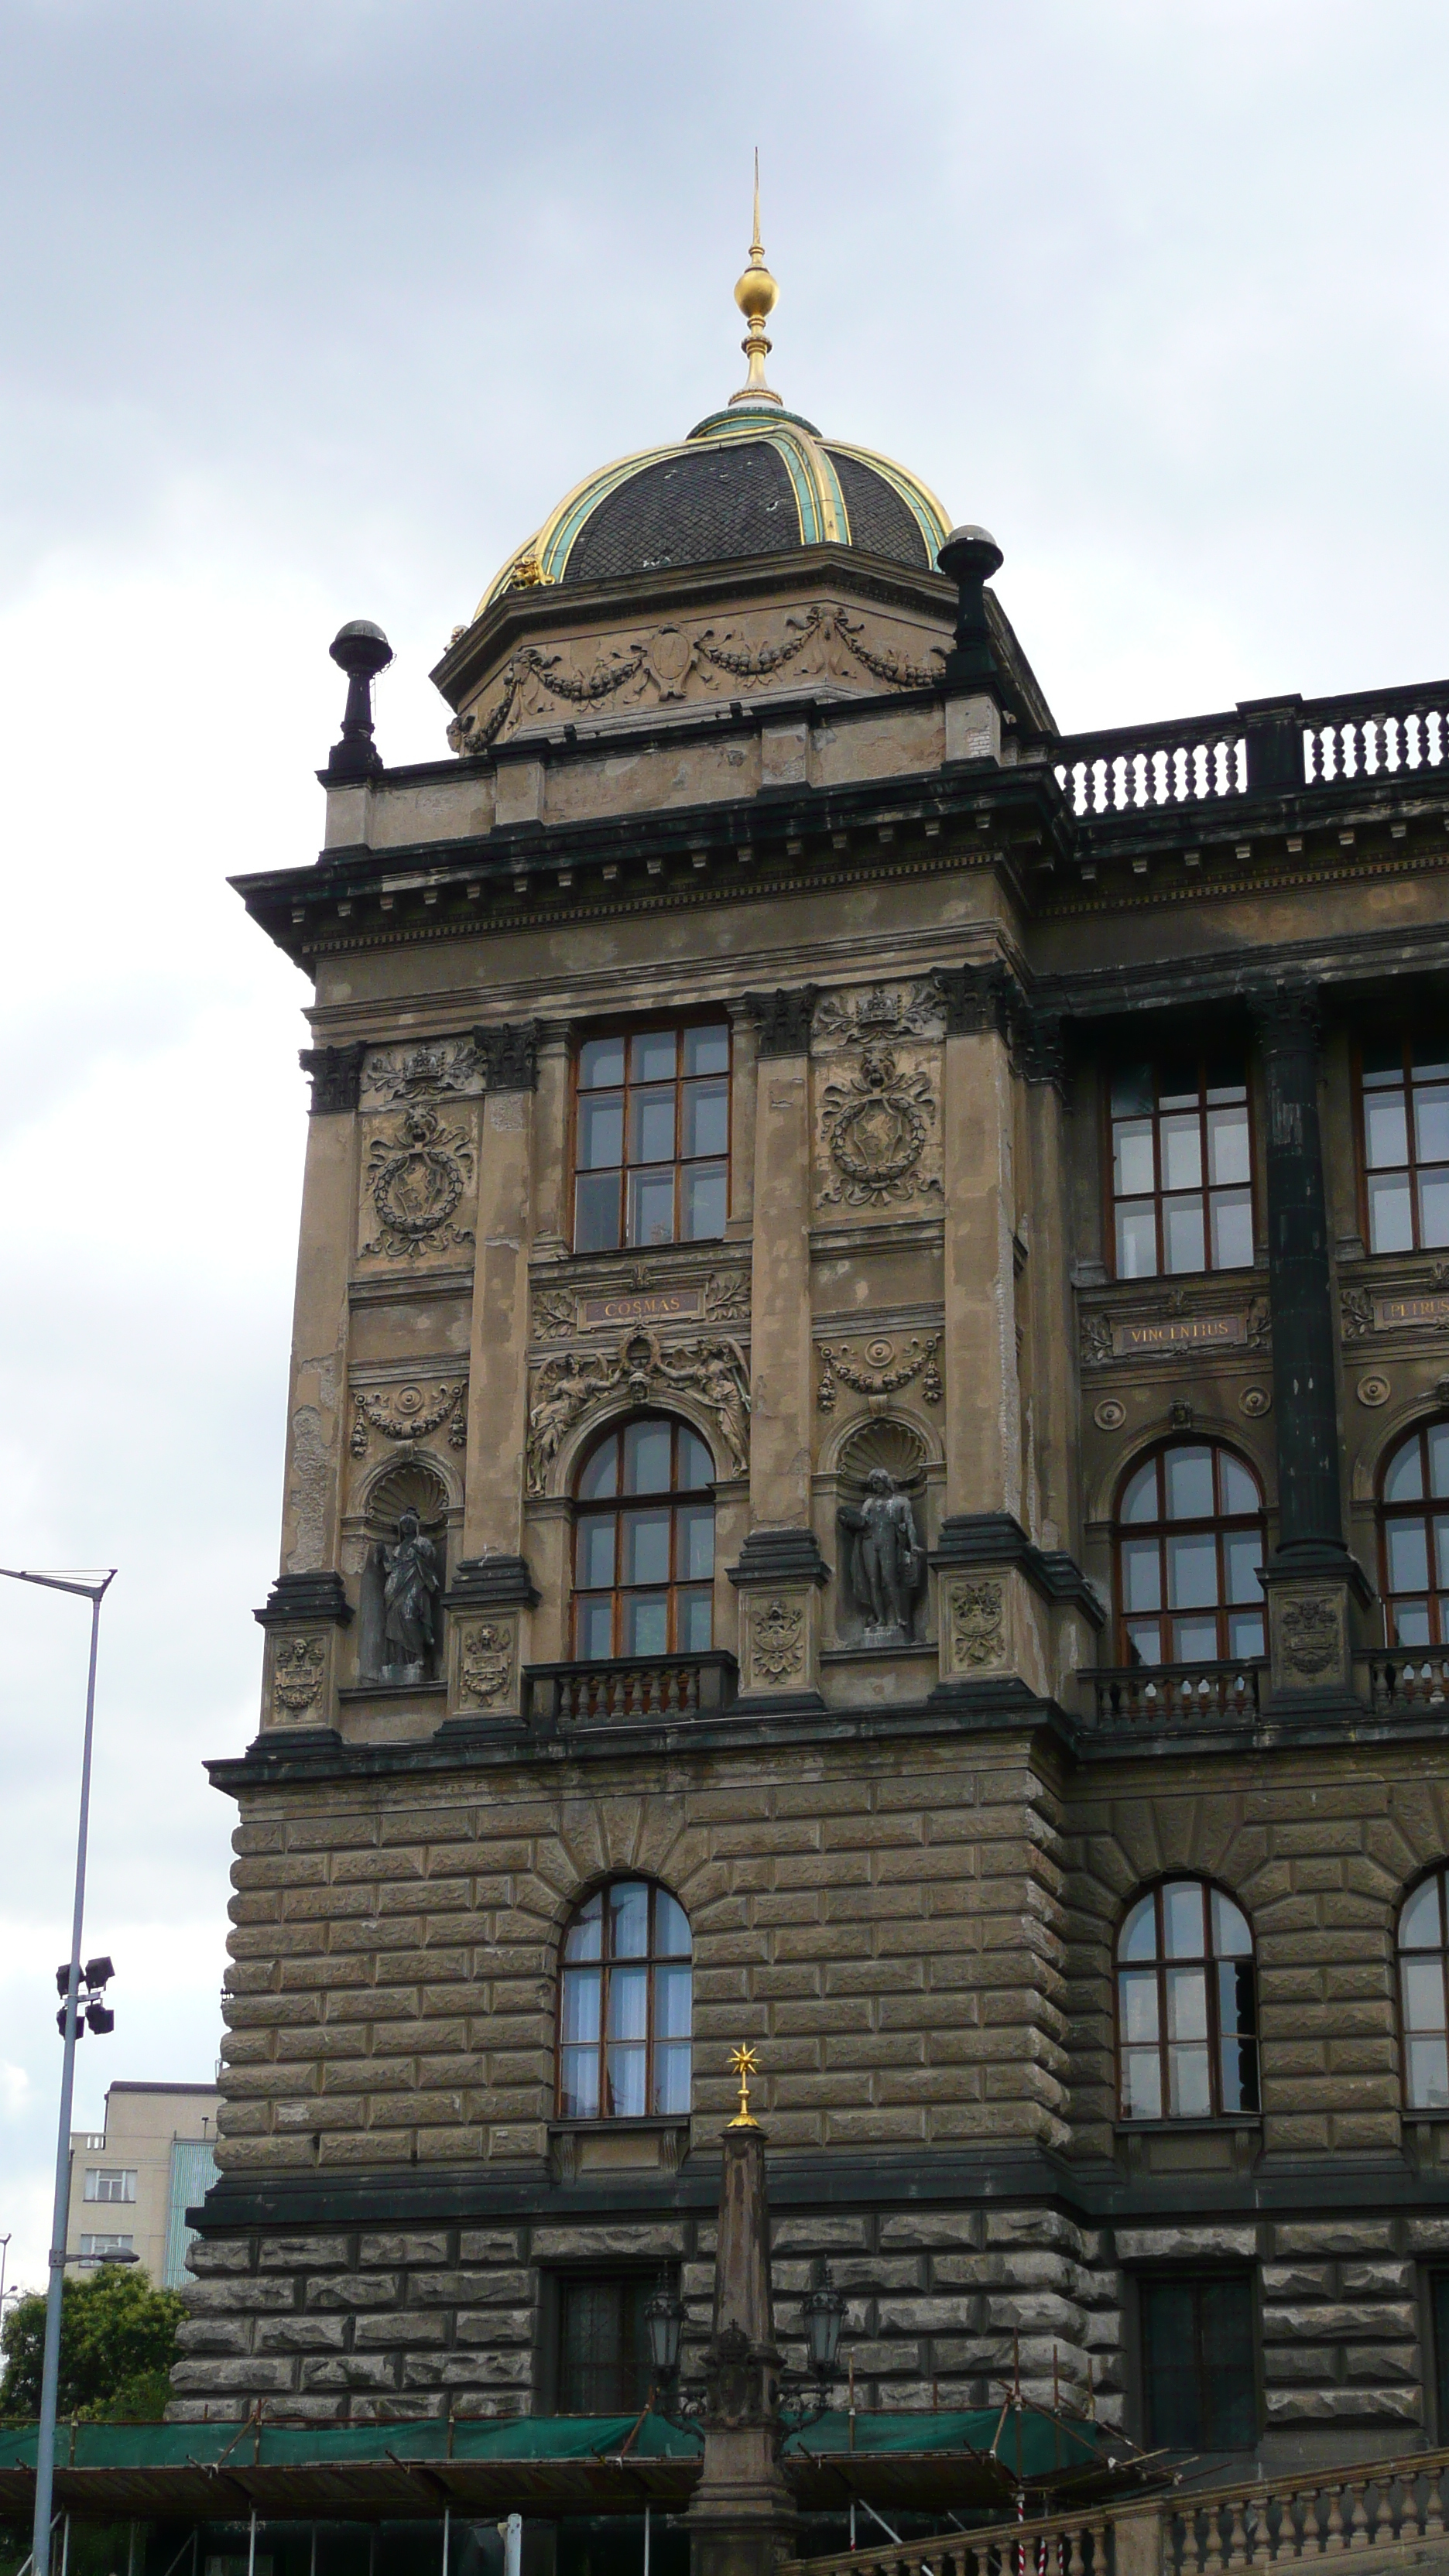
(749,481)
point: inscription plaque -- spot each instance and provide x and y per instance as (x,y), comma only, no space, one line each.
(1391,1314)
(653,1307)
(1177,1333)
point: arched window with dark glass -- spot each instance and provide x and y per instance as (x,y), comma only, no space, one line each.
(1187,2008)
(644,1543)
(1414,1538)
(1189,1545)
(1423,1992)
(625,2004)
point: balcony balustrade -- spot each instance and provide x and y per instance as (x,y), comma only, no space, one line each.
(1402,1679)
(630,1690)
(1145,1696)
(1301,742)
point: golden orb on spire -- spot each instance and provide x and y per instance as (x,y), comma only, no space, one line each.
(756,295)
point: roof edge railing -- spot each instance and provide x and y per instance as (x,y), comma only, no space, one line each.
(1270,745)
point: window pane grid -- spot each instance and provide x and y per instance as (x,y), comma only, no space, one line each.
(1414,1540)
(644,1556)
(1424,1995)
(1404,1106)
(1189,1546)
(652,1137)
(1187,2020)
(625,2006)
(1182,1179)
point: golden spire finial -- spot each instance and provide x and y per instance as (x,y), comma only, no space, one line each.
(756,295)
(743,2061)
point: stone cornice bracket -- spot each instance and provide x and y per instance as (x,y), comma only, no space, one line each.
(779,1556)
(975,999)
(335,1073)
(969,1539)
(492,1583)
(1041,1046)
(782,1020)
(508,1053)
(299,1599)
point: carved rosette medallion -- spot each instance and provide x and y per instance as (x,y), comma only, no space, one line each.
(297,1694)
(416,1176)
(876,1123)
(976,1631)
(409,1413)
(640,1370)
(485,1671)
(777,1641)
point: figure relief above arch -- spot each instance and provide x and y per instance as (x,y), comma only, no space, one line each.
(571,1392)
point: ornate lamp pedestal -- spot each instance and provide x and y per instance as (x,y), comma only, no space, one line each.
(742,2518)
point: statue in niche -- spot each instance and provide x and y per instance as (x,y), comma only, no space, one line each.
(883,1562)
(399,1622)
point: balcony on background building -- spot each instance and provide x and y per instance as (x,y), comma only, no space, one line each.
(630,1690)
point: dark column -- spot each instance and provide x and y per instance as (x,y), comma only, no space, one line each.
(741,2516)
(1311,1573)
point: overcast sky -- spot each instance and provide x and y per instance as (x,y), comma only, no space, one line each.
(311,311)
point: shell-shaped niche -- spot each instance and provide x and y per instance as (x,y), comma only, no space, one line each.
(895,1446)
(409,1485)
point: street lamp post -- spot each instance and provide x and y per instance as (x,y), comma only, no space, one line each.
(92,1588)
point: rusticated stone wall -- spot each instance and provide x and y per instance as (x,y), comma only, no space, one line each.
(884,1924)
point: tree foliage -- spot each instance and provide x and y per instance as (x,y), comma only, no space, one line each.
(117,2344)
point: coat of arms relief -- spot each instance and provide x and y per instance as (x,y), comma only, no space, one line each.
(877,1110)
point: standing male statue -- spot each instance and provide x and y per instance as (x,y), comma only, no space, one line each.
(410,1584)
(884,1562)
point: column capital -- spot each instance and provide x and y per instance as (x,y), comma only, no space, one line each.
(508,1053)
(782,1019)
(1286,1016)
(335,1073)
(977,999)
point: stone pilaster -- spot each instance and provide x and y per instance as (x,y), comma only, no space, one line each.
(780,1568)
(1311,1580)
(492,1587)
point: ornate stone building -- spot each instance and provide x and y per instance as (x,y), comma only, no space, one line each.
(867,1473)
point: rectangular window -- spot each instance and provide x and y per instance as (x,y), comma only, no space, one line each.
(603,2344)
(1404,1100)
(91,2246)
(1182,1167)
(109,2182)
(1199,2384)
(652,1137)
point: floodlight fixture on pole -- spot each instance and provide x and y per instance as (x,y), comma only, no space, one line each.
(89,1585)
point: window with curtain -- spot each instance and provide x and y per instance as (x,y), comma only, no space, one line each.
(1404,1105)
(644,1543)
(603,2343)
(625,2005)
(1187,2007)
(1423,1924)
(1189,1541)
(652,1136)
(1182,1166)
(1414,1538)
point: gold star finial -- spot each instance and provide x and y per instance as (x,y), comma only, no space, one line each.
(743,2063)
(756,295)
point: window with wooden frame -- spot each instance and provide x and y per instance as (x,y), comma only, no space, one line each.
(1182,1166)
(1189,1540)
(1414,1538)
(1199,2367)
(1423,1993)
(652,1136)
(1403,1098)
(625,2005)
(1187,2007)
(644,1543)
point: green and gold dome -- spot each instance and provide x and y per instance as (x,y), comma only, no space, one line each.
(752,480)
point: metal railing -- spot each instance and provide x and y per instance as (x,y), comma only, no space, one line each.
(1290,743)
(1392,2505)
(629,1689)
(1140,1696)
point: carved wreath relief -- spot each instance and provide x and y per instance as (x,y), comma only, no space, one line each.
(416,1177)
(876,1117)
(880,1370)
(409,1414)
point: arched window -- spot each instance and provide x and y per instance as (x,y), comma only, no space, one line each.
(1414,1539)
(625,2005)
(1422,1993)
(644,1543)
(1189,1541)
(1187,2010)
